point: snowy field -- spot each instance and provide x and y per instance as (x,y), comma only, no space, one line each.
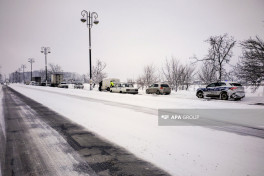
(180,150)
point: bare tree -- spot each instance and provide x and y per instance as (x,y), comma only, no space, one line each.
(219,53)
(207,73)
(187,75)
(98,73)
(251,66)
(140,82)
(149,75)
(55,68)
(174,72)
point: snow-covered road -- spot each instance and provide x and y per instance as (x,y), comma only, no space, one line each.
(180,150)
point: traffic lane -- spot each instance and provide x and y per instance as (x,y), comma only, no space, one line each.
(103,157)
(33,147)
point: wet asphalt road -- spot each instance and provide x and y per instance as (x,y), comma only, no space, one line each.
(41,142)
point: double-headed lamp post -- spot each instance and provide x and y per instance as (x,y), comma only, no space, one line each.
(90,19)
(31,61)
(46,51)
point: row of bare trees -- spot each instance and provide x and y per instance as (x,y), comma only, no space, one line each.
(173,72)
(249,69)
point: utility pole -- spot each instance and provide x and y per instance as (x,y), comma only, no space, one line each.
(23,68)
(31,61)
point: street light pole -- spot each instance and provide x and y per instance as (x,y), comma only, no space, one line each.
(90,19)
(23,67)
(31,61)
(46,51)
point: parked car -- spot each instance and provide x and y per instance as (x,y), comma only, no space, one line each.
(44,84)
(222,90)
(124,88)
(78,86)
(159,88)
(33,83)
(63,85)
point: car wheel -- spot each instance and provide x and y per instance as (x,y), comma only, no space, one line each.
(157,92)
(224,96)
(200,94)
(147,91)
(111,91)
(108,88)
(120,91)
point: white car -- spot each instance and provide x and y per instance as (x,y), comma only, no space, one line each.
(124,88)
(63,85)
(222,90)
(33,83)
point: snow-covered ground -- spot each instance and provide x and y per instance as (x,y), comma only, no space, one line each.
(180,150)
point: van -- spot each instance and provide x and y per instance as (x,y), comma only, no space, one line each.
(105,83)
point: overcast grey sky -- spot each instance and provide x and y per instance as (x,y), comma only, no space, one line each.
(130,34)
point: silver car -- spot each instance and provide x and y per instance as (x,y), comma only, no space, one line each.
(159,88)
(222,90)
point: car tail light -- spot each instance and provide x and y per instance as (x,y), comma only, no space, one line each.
(233,88)
(161,87)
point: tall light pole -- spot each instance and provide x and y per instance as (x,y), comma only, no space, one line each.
(90,19)
(23,68)
(31,61)
(46,51)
